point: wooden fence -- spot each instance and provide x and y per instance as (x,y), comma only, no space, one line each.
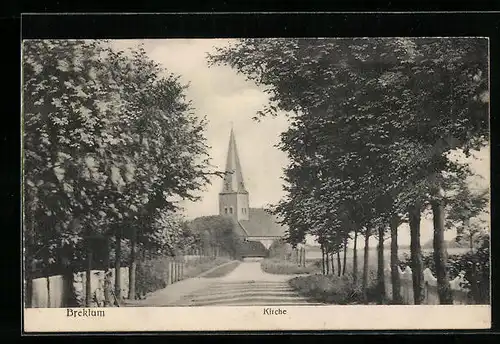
(460,294)
(53,291)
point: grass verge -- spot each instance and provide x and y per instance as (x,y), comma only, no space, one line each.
(223,270)
(194,268)
(283,267)
(332,289)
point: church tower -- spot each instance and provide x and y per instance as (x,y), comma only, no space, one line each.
(233,199)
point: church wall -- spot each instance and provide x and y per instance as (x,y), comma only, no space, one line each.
(227,201)
(238,203)
(243,206)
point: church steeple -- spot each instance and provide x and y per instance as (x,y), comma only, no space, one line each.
(233,180)
(233,198)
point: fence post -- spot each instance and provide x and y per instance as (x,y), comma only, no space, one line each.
(179,268)
(168,272)
(176,263)
(172,270)
(175,270)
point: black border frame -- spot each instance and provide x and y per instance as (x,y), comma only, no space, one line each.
(258,24)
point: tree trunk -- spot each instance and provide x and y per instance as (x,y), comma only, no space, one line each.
(339,264)
(327,263)
(29,261)
(332,261)
(88,276)
(395,278)
(69,299)
(365,265)
(355,257)
(132,265)
(345,256)
(118,255)
(380,266)
(440,254)
(322,260)
(473,278)
(416,255)
(49,301)
(107,283)
(29,272)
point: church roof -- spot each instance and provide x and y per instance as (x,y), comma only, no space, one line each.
(261,224)
(233,181)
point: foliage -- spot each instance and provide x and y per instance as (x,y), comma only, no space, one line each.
(280,249)
(110,142)
(384,121)
(458,263)
(372,123)
(152,274)
(217,232)
(333,289)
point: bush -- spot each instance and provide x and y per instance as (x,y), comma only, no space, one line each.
(283,267)
(280,249)
(152,274)
(333,289)
(464,262)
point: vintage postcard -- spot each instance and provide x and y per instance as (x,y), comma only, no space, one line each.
(256,184)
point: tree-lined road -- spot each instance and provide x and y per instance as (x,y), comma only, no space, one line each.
(247,285)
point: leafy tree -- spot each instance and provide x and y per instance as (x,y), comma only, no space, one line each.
(217,234)
(109,142)
(357,107)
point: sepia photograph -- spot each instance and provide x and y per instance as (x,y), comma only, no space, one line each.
(283,177)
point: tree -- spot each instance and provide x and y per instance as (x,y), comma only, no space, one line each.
(366,251)
(63,83)
(466,208)
(218,232)
(395,277)
(358,106)
(109,141)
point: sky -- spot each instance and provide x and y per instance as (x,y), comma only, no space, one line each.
(228,100)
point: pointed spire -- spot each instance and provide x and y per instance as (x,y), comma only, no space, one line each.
(233,181)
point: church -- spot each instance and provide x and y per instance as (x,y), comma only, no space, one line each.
(257,228)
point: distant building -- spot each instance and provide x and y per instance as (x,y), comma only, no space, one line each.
(254,225)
